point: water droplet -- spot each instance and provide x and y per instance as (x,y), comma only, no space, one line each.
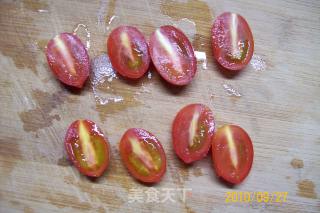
(144,89)
(101,78)
(117,99)
(101,11)
(258,63)
(111,21)
(231,91)
(43,11)
(85,27)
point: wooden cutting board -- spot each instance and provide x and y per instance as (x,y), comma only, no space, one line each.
(276,99)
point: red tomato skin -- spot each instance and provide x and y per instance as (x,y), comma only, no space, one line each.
(124,149)
(76,56)
(158,59)
(73,133)
(115,48)
(221,41)
(219,147)
(180,136)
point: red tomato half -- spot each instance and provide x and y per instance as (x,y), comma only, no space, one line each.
(128,52)
(68,59)
(232,41)
(192,131)
(232,153)
(143,155)
(173,55)
(87,148)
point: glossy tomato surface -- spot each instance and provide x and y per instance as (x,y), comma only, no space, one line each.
(232,153)
(128,52)
(192,131)
(173,55)
(87,148)
(143,155)
(68,59)
(232,41)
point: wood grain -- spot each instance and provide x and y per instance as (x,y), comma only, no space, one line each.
(278,106)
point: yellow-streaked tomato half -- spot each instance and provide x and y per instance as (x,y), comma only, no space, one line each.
(232,41)
(87,148)
(128,52)
(232,153)
(68,59)
(192,131)
(143,155)
(172,55)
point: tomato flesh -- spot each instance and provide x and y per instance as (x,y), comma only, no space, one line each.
(232,153)
(192,130)
(128,52)
(87,148)
(68,59)
(173,55)
(232,41)
(143,155)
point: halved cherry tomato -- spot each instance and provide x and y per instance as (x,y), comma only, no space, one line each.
(68,59)
(232,153)
(192,131)
(173,55)
(143,155)
(128,52)
(232,41)
(87,148)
